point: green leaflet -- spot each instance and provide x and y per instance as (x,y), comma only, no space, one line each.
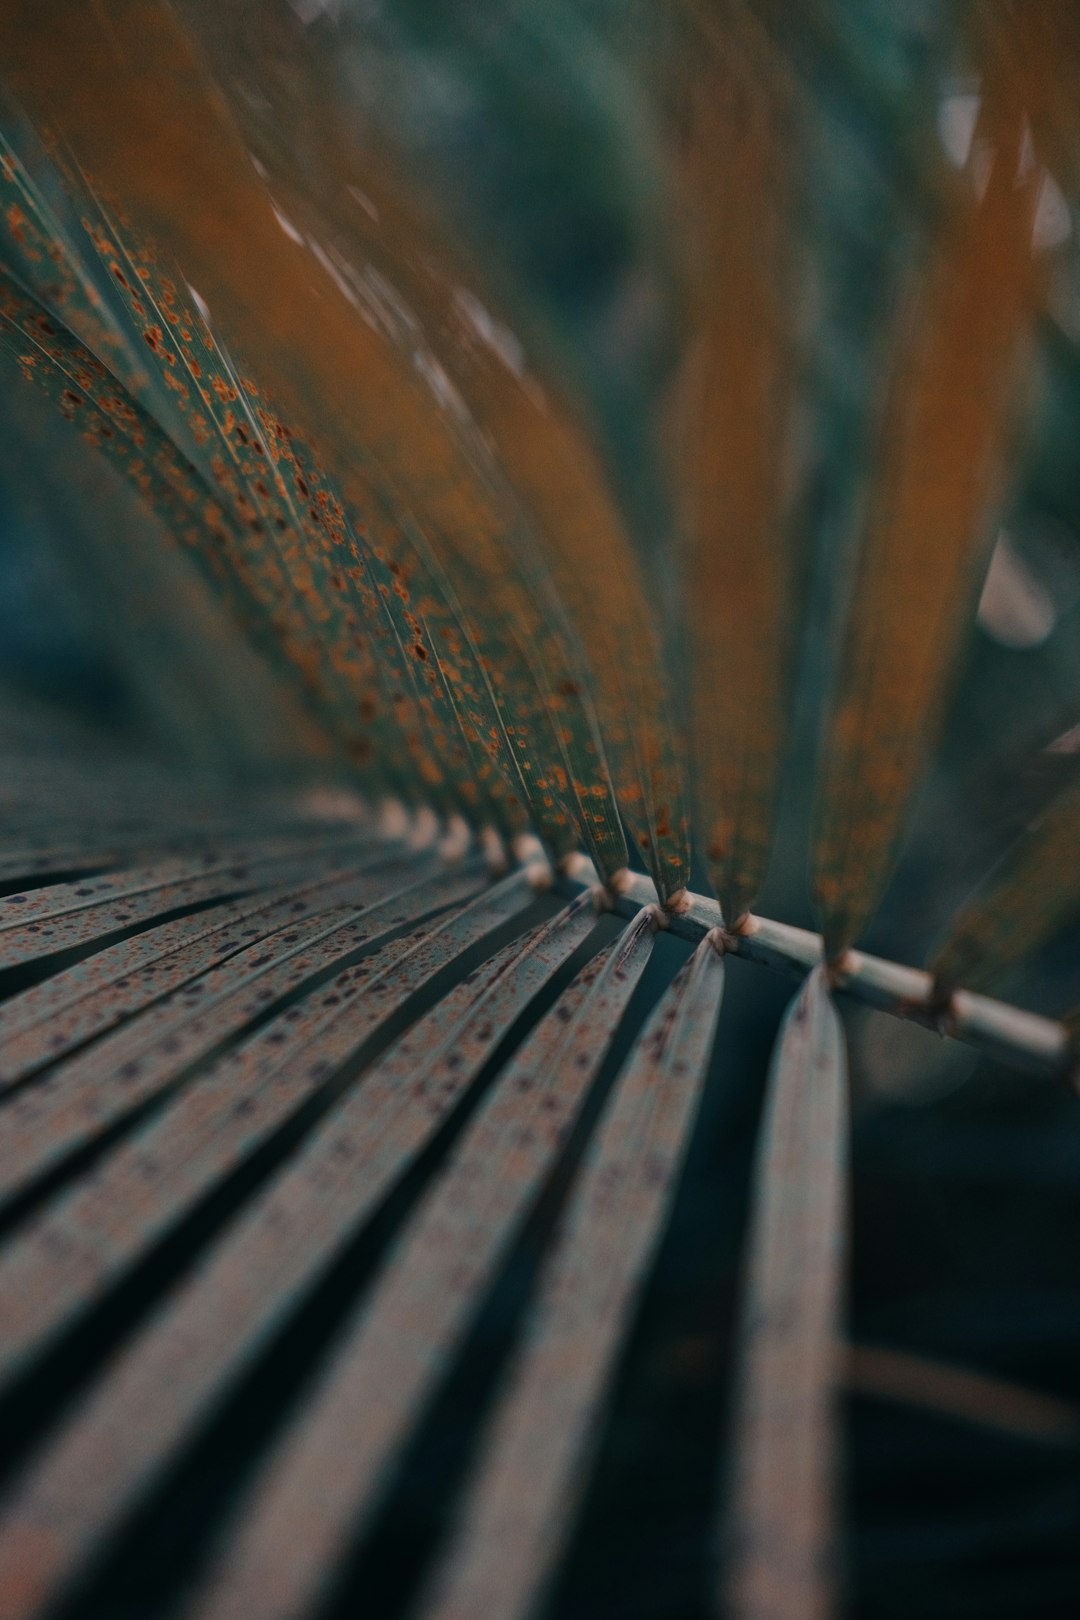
(48,262)
(254,461)
(303,523)
(477,706)
(387,654)
(253,587)
(195,678)
(199,685)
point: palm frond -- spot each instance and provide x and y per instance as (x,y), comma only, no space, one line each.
(476,441)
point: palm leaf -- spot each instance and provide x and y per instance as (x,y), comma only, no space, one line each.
(444,370)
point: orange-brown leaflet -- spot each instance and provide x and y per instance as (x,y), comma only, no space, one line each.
(958,358)
(734,400)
